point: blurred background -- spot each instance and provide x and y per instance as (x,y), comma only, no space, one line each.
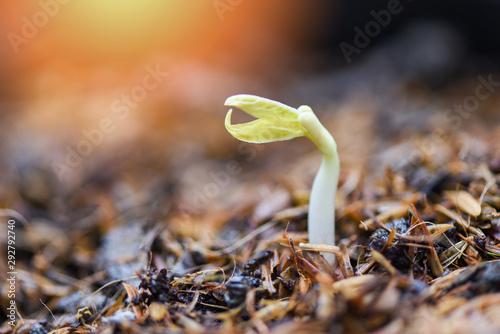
(88,87)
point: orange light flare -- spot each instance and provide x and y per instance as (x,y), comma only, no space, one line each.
(111,30)
(72,59)
(123,31)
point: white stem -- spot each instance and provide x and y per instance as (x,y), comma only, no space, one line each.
(321,226)
(321,219)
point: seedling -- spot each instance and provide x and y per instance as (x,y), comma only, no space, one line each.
(276,122)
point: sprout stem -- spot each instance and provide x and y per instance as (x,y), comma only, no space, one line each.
(321,217)
(321,226)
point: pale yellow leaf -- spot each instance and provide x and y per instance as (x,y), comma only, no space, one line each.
(260,107)
(276,122)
